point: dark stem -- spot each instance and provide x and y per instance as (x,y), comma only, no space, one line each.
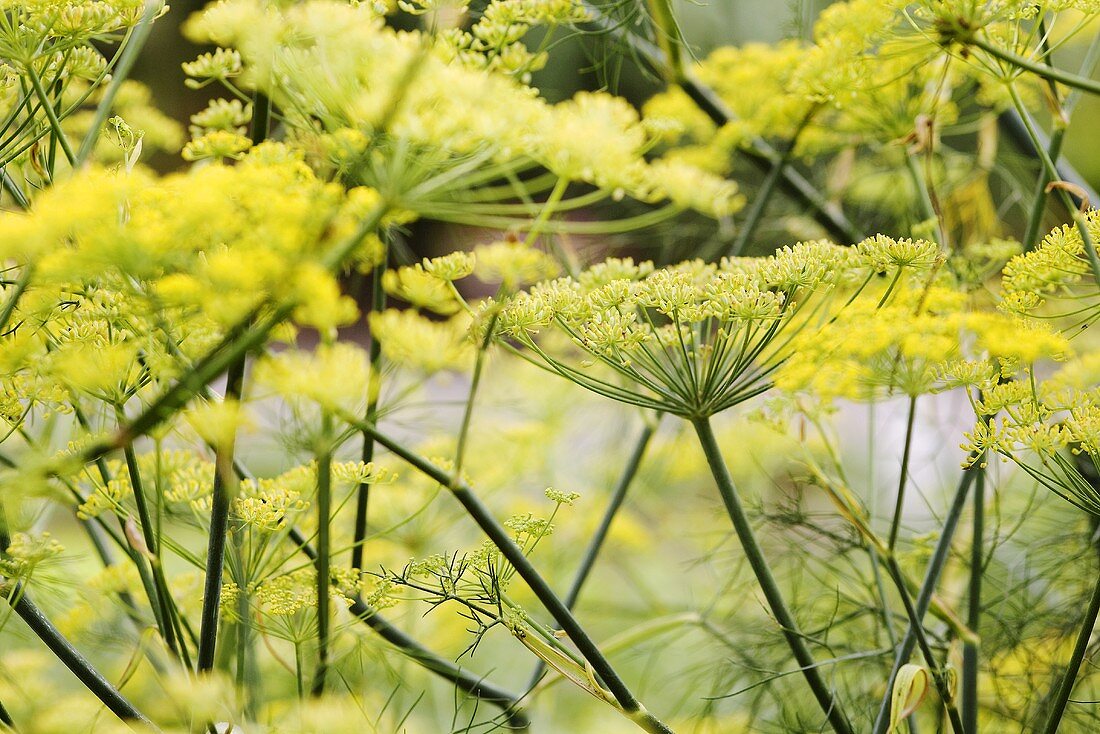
(598,538)
(219,529)
(917,627)
(928,586)
(1059,697)
(974,611)
(73,660)
(362,498)
(17,597)
(323,560)
(755,556)
(895,524)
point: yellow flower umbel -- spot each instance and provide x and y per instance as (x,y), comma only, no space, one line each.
(693,339)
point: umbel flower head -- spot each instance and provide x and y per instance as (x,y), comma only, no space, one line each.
(692,339)
(1049,428)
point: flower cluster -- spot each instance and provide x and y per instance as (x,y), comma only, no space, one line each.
(692,339)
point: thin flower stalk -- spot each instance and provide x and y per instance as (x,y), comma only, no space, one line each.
(1064,687)
(971,648)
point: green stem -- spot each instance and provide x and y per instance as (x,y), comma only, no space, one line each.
(595,544)
(974,611)
(924,196)
(100,687)
(119,74)
(5,717)
(1054,147)
(51,114)
(1065,685)
(1044,70)
(773,595)
(219,530)
(324,556)
(248,334)
(501,538)
(931,577)
(917,626)
(669,38)
(362,497)
(895,524)
(13,188)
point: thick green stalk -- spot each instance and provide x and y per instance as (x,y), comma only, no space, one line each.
(764,194)
(669,38)
(323,560)
(931,577)
(5,717)
(51,114)
(219,529)
(502,539)
(1073,667)
(899,504)
(974,611)
(248,334)
(100,687)
(755,556)
(362,497)
(595,544)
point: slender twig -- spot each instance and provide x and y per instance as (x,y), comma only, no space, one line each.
(743,527)
(13,188)
(974,610)
(502,539)
(903,479)
(595,543)
(219,528)
(931,578)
